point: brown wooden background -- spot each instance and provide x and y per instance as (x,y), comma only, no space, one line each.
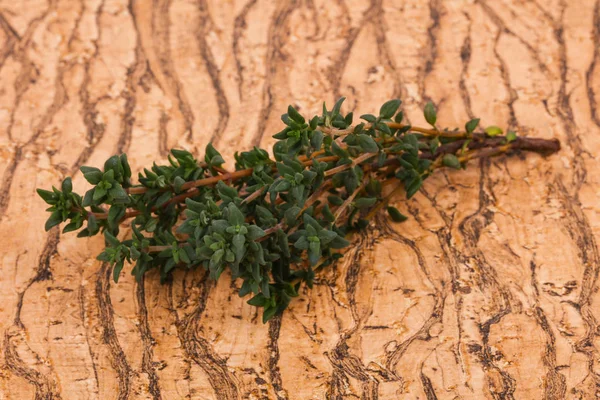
(489,291)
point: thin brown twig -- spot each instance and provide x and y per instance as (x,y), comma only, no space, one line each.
(395,125)
(350,199)
(385,201)
(256,194)
(480,141)
(354,162)
(156,249)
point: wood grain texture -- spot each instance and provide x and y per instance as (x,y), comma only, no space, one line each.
(489,291)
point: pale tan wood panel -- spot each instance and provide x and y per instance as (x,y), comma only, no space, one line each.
(488,291)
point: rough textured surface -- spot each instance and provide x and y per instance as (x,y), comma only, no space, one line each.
(489,291)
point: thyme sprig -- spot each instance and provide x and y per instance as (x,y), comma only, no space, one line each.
(275,219)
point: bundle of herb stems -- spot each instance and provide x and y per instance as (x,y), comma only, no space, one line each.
(274,220)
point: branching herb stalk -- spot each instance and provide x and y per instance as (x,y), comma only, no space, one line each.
(274,219)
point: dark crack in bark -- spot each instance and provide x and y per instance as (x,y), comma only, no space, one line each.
(273,348)
(239,26)
(204,27)
(199,350)
(591,72)
(277,36)
(148,365)
(109,335)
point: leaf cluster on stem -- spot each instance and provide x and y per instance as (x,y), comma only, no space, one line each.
(274,220)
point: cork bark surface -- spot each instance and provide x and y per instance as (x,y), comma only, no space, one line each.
(488,291)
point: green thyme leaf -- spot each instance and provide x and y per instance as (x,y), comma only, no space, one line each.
(511,136)
(389,108)
(450,160)
(396,215)
(55,219)
(430,114)
(493,131)
(295,115)
(471,125)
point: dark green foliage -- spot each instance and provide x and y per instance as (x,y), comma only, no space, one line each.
(511,136)
(273,221)
(389,108)
(493,130)
(471,125)
(430,114)
(450,160)
(396,215)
